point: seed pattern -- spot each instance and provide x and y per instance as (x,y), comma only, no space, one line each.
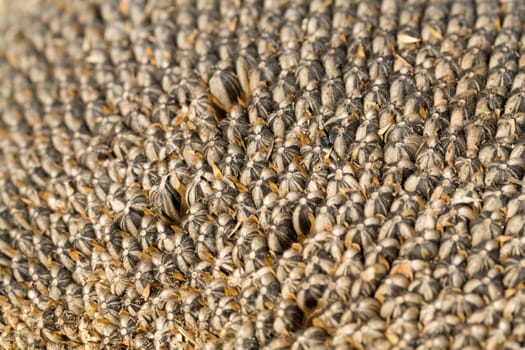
(262,174)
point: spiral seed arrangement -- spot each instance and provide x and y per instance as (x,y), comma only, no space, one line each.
(305,174)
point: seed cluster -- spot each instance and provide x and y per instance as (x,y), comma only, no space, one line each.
(263,174)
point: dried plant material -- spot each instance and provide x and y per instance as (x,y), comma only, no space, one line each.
(262,174)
